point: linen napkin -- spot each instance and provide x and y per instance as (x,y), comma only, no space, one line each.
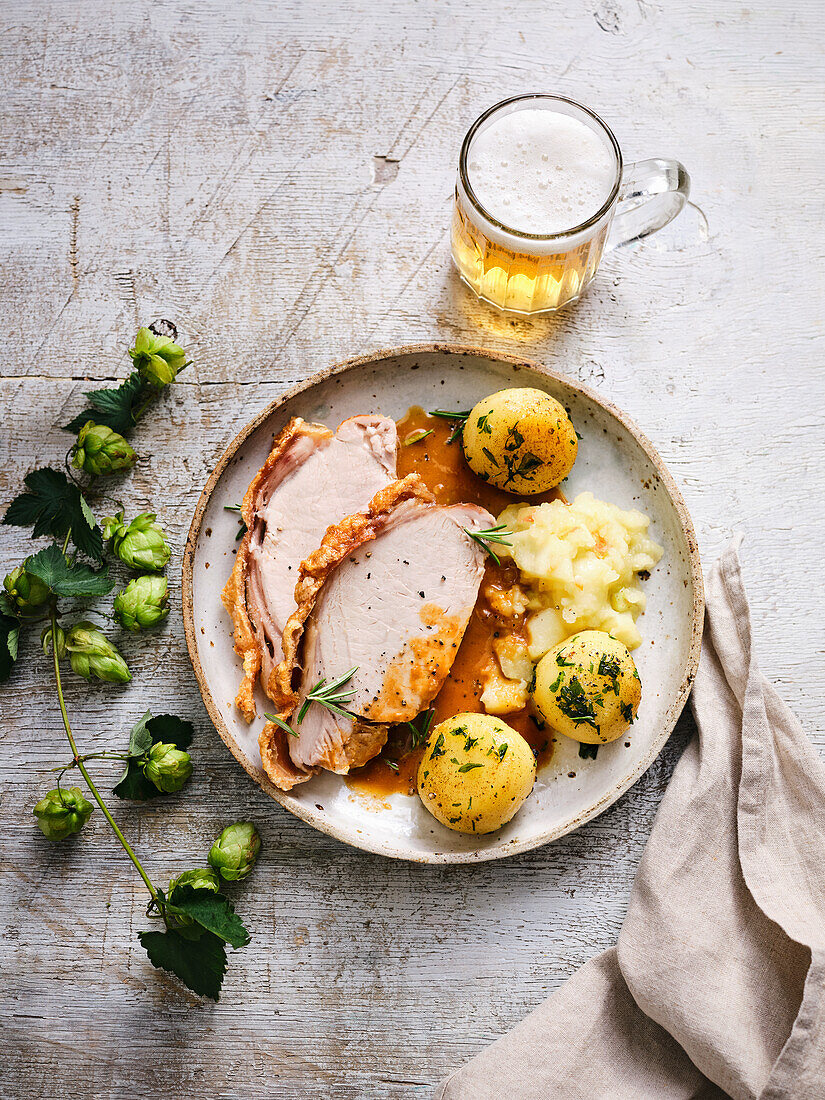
(717,985)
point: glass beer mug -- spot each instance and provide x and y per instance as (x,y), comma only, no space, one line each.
(528,272)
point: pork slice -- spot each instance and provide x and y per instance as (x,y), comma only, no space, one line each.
(311,479)
(390,593)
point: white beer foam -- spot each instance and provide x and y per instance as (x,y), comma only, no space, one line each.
(537,171)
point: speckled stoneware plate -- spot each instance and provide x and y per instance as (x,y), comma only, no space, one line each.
(615,461)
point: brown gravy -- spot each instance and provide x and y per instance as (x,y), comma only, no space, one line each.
(443,469)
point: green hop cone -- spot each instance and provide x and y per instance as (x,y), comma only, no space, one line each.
(157,358)
(99,450)
(113,527)
(93,655)
(61,813)
(167,767)
(142,603)
(25,592)
(202,878)
(46,641)
(234,853)
(141,545)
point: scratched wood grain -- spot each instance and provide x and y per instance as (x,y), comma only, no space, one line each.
(276,177)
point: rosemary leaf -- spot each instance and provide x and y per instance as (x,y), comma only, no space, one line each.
(279,722)
(417,436)
(459,419)
(490,535)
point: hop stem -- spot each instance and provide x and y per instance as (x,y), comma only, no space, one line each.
(78,759)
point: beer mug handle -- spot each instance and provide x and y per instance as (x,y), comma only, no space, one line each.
(652,193)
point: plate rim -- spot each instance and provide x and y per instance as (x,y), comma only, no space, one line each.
(308,813)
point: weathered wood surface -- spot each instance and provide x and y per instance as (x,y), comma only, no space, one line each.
(277,179)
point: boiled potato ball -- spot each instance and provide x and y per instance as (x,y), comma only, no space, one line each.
(520,440)
(475,773)
(588,688)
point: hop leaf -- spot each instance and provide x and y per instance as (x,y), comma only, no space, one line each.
(200,964)
(235,851)
(141,545)
(212,911)
(9,633)
(92,654)
(157,358)
(134,785)
(205,920)
(61,813)
(53,506)
(100,451)
(113,407)
(167,728)
(167,767)
(142,603)
(64,579)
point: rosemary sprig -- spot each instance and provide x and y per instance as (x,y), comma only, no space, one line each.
(420,733)
(489,535)
(327,695)
(280,722)
(330,696)
(459,418)
(242,526)
(417,436)
(447,414)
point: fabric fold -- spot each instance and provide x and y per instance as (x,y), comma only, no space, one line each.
(717,984)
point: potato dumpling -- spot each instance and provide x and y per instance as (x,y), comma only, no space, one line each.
(520,440)
(475,773)
(588,688)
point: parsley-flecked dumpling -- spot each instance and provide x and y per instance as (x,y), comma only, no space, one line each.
(588,688)
(475,773)
(520,440)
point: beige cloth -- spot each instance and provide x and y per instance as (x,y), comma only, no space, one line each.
(717,985)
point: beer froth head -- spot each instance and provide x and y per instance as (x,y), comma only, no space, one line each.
(539,171)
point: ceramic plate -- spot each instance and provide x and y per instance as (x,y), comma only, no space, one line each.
(615,461)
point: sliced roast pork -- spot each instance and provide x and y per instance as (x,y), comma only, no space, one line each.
(389,593)
(311,479)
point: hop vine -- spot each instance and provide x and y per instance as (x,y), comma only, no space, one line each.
(68,578)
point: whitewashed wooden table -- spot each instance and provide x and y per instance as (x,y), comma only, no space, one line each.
(276,178)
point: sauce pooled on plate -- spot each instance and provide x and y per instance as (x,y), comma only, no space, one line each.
(442,467)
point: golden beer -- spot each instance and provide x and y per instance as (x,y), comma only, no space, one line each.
(519,281)
(541,193)
(527,271)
